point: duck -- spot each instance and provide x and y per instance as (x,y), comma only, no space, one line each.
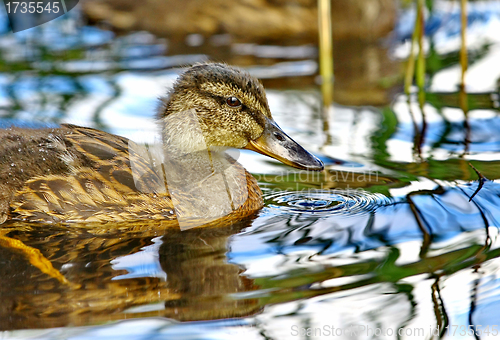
(79,174)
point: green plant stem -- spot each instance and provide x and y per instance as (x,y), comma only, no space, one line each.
(325,51)
(420,71)
(410,66)
(463,48)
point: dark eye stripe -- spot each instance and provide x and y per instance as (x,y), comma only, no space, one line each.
(255,116)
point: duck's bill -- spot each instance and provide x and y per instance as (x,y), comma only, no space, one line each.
(278,145)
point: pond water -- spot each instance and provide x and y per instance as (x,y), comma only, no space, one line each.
(399,235)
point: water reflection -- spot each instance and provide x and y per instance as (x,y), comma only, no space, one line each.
(376,271)
(121,271)
(408,251)
(153,269)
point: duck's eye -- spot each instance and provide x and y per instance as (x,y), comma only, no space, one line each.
(233,102)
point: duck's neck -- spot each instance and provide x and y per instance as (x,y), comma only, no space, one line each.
(182,133)
(204,182)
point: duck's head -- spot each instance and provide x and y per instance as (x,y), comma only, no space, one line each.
(232,111)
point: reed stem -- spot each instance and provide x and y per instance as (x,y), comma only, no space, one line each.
(325,51)
(420,71)
(463,48)
(410,66)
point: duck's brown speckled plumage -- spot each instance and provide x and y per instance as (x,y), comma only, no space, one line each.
(77,174)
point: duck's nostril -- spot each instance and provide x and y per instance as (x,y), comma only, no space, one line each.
(279,136)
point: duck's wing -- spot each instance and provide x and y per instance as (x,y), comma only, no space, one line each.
(127,165)
(106,178)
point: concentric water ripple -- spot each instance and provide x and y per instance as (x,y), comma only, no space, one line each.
(326,203)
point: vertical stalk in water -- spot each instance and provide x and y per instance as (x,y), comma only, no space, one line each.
(463,63)
(442,319)
(325,51)
(326,64)
(410,67)
(420,71)
(463,48)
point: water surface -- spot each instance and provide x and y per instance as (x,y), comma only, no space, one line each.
(386,239)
